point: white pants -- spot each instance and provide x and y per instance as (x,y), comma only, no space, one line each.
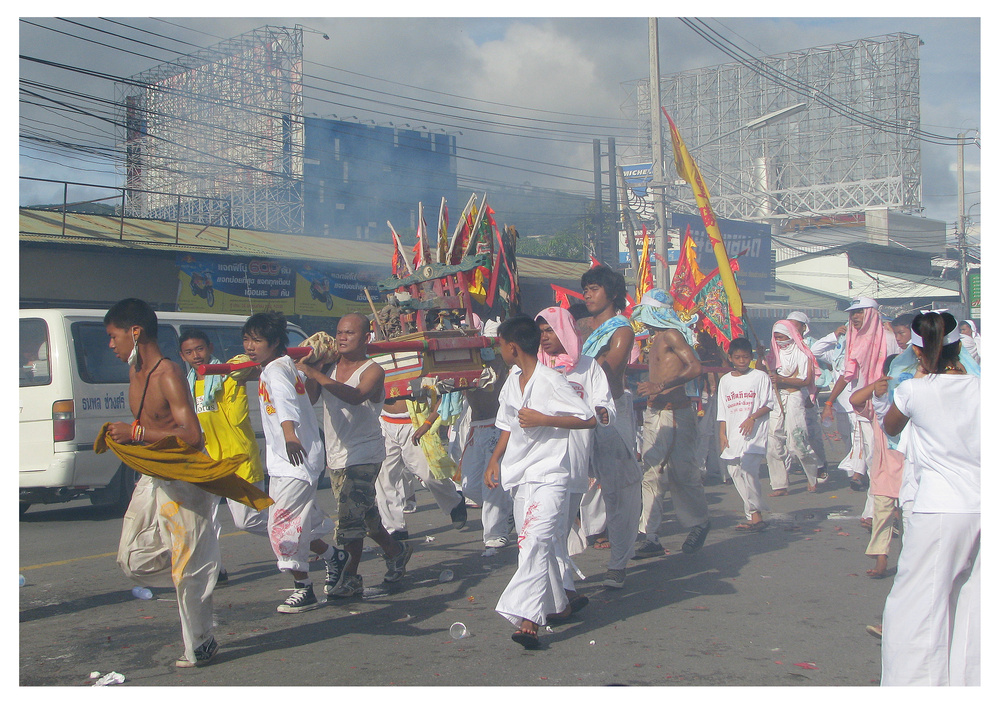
(497,504)
(244,517)
(859,458)
(788,433)
(745,473)
(931,622)
(296,519)
(671,435)
(815,426)
(593,515)
(402,455)
(167,531)
(536,589)
(620,477)
(707,449)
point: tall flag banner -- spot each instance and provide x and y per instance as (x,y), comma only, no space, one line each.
(442,244)
(399,255)
(644,274)
(688,277)
(460,237)
(717,316)
(421,251)
(476,230)
(689,172)
(504,282)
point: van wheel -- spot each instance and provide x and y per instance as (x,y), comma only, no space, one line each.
(118,494)
(23,508)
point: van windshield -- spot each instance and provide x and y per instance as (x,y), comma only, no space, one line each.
(34,350)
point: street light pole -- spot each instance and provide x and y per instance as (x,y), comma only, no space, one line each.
(662,269)
(963,277)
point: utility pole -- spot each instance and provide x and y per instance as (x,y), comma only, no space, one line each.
(599,245)
(963,278)
(662,270)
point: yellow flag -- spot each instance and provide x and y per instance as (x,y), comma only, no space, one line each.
(688,171)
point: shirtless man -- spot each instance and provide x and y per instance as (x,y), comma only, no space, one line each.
(669,431)
(159,398)
(609,340)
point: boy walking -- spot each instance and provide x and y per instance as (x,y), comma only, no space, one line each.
(745,401)
(538,408)
(224,415)
(294,462)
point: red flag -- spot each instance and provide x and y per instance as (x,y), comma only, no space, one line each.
(562,295)
(594,262)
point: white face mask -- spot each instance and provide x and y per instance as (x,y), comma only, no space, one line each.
(785,344)
(134,355)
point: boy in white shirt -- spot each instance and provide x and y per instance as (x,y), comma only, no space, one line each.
(538,408)
(745,397)
(295,461)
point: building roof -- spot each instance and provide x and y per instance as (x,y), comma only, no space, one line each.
(45,226)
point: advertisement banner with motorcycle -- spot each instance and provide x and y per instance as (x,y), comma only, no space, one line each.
(226,285)
(329,290)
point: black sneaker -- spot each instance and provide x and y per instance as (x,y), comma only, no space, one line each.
(400,535)
(302,599)
(352,585)
(203,655)
(459,514)
(696,538)
(335,570)
(223,579)
(649,548)
(395,566)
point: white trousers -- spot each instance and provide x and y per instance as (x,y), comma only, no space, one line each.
(859,458)
(815,427)
(788,433)
(671,435)
(707,449)
(931,622)
(168,531)
(402,456)
(745,473)
(536,589)
(244,517)
(296,519)
(593,514)
(497,504)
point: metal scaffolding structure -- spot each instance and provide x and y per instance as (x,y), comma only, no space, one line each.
(217,136)
(853,148)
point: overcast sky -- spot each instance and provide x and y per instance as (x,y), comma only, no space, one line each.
(569,71)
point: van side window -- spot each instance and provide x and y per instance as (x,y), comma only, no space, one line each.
(34,353)
(95,360)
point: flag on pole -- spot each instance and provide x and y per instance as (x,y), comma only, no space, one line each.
(563,294)
(421,251)
(644,273)
(461,235)
(442,244)
(476,230)
(688,277)
(688,171)
(398,256)
(717,316)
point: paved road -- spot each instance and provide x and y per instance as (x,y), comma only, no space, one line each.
(743,611)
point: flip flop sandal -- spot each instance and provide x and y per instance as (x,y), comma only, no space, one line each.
(528,640)
(602,544)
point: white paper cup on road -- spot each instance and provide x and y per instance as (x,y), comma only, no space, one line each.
(458,631)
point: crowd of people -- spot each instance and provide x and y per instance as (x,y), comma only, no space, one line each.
(565,450)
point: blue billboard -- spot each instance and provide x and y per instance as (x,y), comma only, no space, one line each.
(749,242)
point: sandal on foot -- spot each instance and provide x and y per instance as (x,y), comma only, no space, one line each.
(778,492)
(528,639)
(575,604)
(752,527)
(602,544)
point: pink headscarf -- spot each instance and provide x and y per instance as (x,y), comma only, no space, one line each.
(865,349)
(794,355)
(564,326)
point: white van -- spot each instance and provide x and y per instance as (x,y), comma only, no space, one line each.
(71,383)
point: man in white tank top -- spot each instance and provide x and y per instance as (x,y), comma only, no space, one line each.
(353,392)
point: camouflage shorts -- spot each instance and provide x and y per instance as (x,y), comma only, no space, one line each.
(354,488)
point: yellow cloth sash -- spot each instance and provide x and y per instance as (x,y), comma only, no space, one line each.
(173,459)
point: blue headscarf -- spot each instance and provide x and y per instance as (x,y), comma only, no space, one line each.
(212,382)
